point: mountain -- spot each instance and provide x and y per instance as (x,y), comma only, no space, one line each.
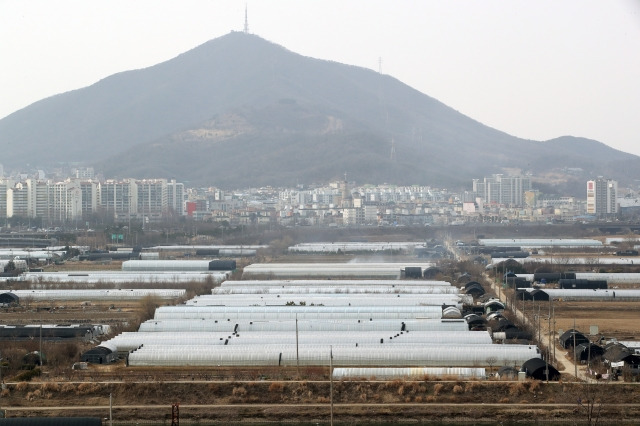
(239,111)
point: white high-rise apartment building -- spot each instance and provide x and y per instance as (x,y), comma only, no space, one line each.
(38,198)
(504,190)
(66,200)
(601,197)
(175,197)
(152,198)
(18,200)
(119,198)
(5,185)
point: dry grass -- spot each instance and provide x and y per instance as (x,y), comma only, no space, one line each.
(276,387)
(437,389)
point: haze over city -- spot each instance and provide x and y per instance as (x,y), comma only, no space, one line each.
(536,70)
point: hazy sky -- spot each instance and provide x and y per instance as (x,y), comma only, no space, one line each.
(536,69)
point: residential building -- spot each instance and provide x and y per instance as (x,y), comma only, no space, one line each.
(602,197)
(503,190)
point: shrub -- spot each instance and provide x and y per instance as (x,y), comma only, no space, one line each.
(239,391)
(26,376)
(68,388)
(50,387)
(438,388)
(22,386)
(458,389)
(276,387)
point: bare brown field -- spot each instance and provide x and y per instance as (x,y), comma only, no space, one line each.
(614,319)
(418,400)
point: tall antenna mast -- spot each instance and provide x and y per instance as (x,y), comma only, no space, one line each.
(246,20)
(393,150)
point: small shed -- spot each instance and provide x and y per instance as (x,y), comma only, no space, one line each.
(9,299)
(567,338)
(588,351)
(431,272)
(502,324)
(539,295)
(616,352)
(99,355)
(507,373)
(474,288)
(475,320)
(413,272)
(493,305)
(538,369)
(451,312)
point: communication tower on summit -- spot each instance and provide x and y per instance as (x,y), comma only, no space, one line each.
(246,20)
(392,157)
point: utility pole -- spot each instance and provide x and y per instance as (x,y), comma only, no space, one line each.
(297,349)
(110,410)
(575,366)
(40,353)
(331,381)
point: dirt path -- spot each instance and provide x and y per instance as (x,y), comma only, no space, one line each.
(563,364)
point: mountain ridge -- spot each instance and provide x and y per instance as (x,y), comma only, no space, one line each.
(141,123)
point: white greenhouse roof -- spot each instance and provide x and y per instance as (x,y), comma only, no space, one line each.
(97,295)
(165,265)
(204,247)
(130,341)
(92,277)
(291,354)
(328,300)
(571,260)
(348,247)
(333,283)
(577,294)
(352,289)
(539,242)
(334,325)
(293,312)
(362,270)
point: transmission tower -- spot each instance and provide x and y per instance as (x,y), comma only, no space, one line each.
(246,20)
(393,150)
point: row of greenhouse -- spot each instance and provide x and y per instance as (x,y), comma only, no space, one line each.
(330,270)
(355,247)
(578,294)
(287,322)
(92,294)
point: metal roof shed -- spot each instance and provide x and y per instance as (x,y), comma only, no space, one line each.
(567,338)
(589,351)
(616,352)
(99,355)
(538,369)
(507,373)
(9,298)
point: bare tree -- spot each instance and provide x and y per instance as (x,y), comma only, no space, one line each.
(491,361)
(590,400)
